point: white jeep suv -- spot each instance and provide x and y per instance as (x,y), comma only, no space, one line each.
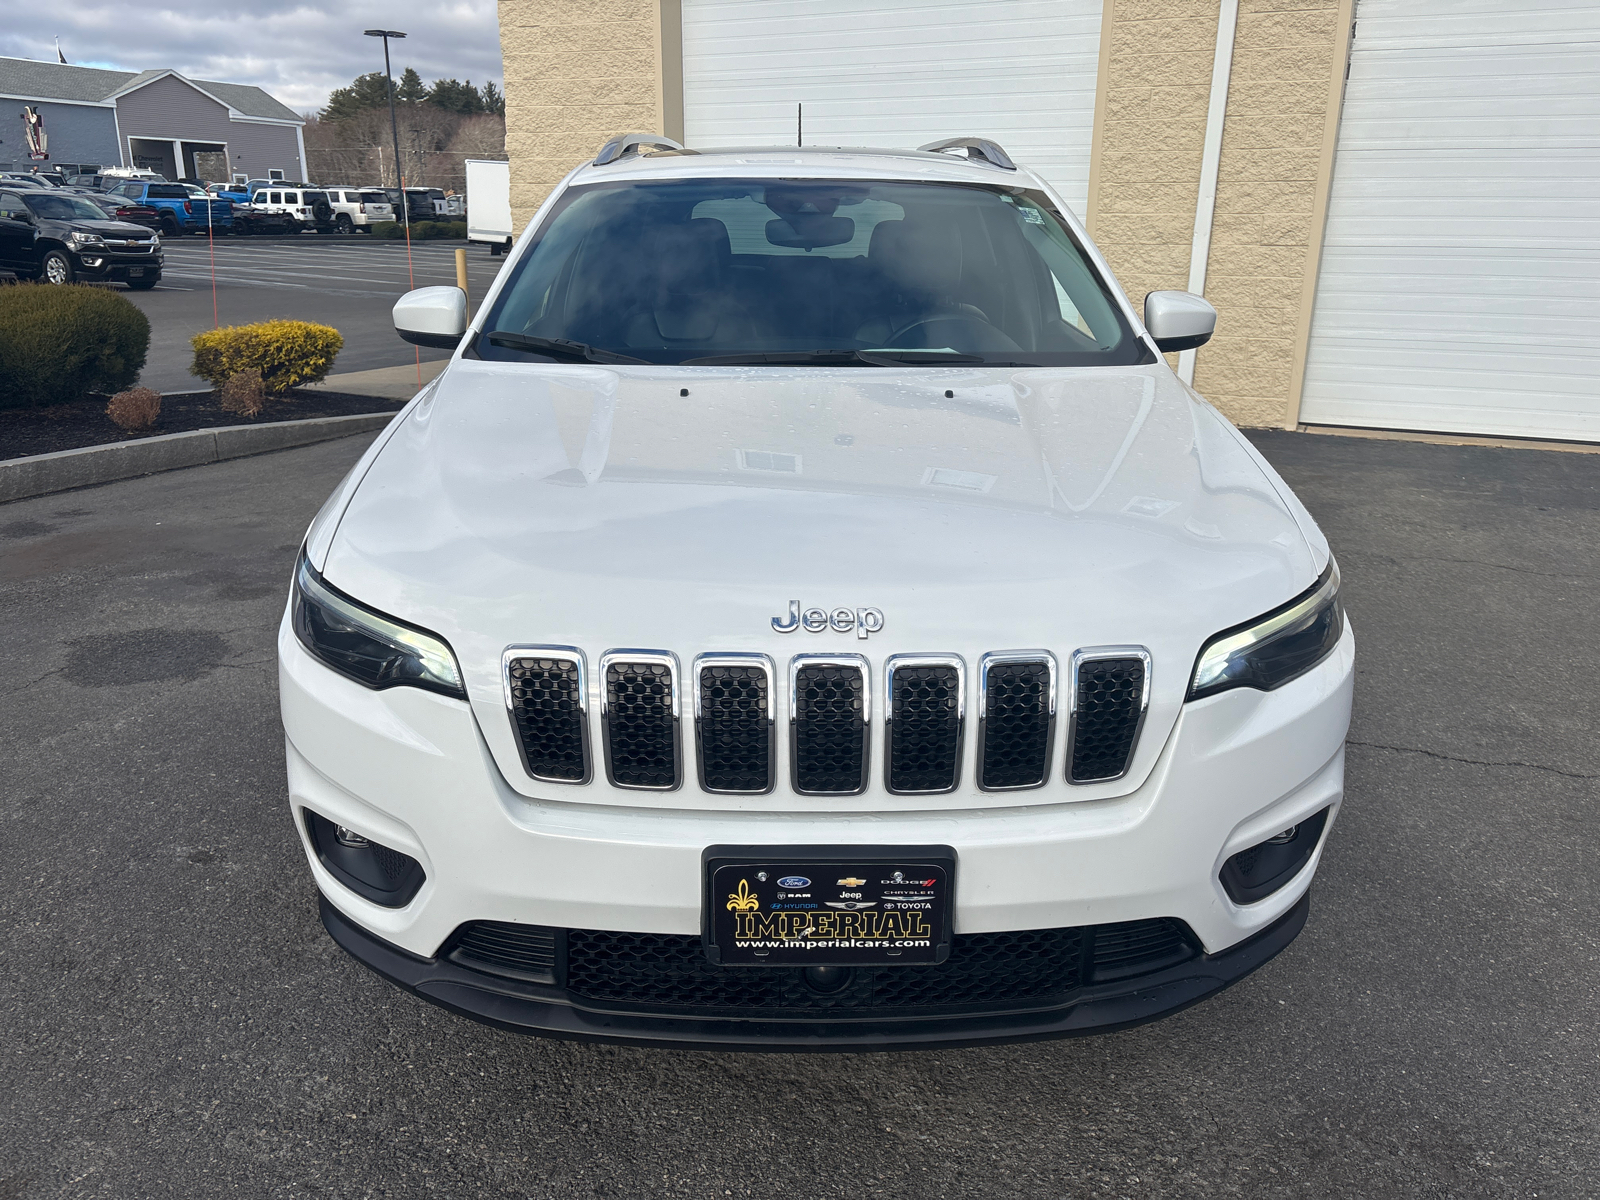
(808,614)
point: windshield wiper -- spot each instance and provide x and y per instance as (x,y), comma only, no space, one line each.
(836,358)
(560,348)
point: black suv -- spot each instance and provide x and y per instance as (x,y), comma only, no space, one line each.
(64,238)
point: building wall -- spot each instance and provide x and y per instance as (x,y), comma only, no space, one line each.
(576,73)
(78,133)
(169,108)
(1150,129)
(1272,189)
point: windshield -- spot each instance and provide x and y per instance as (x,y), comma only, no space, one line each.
(771,271)
(62,208)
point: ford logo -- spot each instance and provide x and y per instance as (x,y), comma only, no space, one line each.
(794,881)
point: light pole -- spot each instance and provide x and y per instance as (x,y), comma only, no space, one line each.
(394,125)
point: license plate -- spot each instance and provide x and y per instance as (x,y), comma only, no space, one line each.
(135,270)
(814,906)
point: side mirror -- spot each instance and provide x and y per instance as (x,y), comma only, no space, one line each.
(432,316)
(1178,320)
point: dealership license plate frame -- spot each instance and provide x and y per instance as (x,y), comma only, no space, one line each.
(874,865)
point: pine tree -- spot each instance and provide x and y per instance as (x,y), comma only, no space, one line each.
(368,91)
(493,101)
(411,89)
(453,96)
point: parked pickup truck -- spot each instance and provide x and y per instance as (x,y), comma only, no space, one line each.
(182,207)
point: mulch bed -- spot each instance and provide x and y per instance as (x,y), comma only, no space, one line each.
(84,422)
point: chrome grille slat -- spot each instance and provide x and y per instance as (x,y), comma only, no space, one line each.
(733,698)
(1016,719)
(639,719)
(547,694)
(830,721)
(1110,696)
(924,717)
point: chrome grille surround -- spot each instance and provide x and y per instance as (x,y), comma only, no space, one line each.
(1099,654)
(899,662)
(797,665)
(612,723)
(759,662)
(986,666)
(560,654)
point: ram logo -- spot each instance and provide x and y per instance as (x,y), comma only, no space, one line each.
(865,621)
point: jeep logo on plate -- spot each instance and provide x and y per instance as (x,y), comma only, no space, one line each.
(865,621)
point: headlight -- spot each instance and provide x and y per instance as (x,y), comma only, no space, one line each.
(1271,650)
(79,240)
(155,242)
(369,647)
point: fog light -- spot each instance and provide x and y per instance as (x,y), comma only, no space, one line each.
(1256,873)
(93,262)
(370,869)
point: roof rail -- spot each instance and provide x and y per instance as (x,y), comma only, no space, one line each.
(629,143)
(978,150)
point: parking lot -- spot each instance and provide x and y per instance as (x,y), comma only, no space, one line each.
(177,1023)
(350,283)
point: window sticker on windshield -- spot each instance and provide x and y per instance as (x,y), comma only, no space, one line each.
(1031,215)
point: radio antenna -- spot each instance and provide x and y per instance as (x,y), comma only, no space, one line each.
(799,124)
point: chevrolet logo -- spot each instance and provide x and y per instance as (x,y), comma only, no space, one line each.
(851,882)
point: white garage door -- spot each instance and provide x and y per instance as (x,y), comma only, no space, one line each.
(898,73)
(1460,282)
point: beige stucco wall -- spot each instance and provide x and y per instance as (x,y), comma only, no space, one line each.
(1150,129)
(1271,194)
(576,72)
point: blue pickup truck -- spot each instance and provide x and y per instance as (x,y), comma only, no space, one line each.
(182,207)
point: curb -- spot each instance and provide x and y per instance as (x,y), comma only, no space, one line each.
(41,474)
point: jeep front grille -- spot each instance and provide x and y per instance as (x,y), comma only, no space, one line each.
(733,722)
(736,698)
(1110,691)
(924,706)
(1017,719)
(829,705)
(639,715)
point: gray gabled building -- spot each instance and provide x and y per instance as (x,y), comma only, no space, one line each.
(156,120)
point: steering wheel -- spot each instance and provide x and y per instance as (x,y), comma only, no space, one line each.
(963,333)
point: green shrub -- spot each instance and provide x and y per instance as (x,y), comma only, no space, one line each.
(421,231)
(287,353)
(63,343)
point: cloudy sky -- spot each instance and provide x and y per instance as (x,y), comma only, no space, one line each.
(298,54)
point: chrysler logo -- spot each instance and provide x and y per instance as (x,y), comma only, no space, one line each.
(865,621)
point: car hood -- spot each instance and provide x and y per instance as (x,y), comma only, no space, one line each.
(107,228)
(977,509)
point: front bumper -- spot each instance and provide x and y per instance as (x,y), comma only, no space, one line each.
(554,1011)
(118,267)
(410,769)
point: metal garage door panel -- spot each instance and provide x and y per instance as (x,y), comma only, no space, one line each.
(898,73)
(1460,281)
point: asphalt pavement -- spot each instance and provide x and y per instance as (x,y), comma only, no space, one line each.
(174,1021)
(350,283)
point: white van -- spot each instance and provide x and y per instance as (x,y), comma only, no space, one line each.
(358,208)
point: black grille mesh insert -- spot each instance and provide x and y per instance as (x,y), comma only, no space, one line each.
(830,730)
(548,712)
(640,731)
(1016,734)
(924,729)
(984,970)
(735,742)
(505,948)
(1110,703)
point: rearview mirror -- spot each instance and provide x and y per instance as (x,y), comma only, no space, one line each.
(432,316)
(1179,320)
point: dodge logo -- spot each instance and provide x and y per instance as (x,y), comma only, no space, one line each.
(865,621)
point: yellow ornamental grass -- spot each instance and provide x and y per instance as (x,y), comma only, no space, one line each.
(287,353)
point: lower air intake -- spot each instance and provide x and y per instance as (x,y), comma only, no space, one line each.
(1108,708)
(829,727)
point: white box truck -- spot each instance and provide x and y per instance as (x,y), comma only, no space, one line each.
(489,203)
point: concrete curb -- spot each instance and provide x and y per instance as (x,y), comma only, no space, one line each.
(41,474)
